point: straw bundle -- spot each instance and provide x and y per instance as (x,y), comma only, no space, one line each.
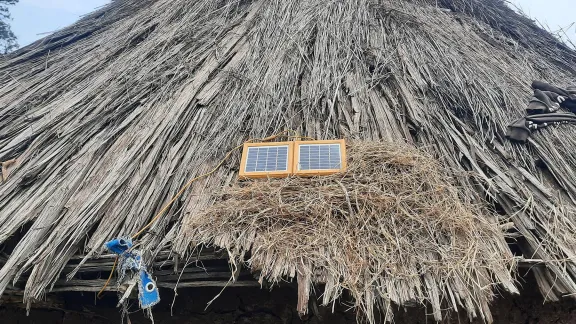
(391,229)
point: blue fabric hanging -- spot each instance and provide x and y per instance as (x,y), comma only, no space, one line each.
(148,294)
(130,262)
(119,245)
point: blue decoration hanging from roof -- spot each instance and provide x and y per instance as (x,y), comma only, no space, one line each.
(119,245)
(130,263)
(148,292)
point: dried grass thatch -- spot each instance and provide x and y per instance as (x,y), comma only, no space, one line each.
(392,229)
(104,121)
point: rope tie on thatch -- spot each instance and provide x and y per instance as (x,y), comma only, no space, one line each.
(128,259)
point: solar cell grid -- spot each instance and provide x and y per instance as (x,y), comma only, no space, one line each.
(319,157)
(267,159)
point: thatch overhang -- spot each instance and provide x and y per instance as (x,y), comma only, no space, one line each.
(103,122)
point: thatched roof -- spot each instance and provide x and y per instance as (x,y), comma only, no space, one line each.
(103,122)
(392,229)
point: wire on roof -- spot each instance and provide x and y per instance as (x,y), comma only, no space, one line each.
(189,183)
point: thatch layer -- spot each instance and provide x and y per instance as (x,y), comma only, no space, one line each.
(103,122)
(392,229)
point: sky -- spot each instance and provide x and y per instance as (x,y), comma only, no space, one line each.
(552,14)
(32,19)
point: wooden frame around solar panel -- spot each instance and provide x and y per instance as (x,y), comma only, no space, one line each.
(282,159)
(319,157)
(267,160)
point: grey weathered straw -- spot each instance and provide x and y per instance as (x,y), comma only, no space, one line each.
(104,121)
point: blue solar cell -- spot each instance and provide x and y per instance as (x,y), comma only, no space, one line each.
(319,157)
(267,159)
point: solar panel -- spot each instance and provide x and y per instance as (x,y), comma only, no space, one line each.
(319,157)
(267,158)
